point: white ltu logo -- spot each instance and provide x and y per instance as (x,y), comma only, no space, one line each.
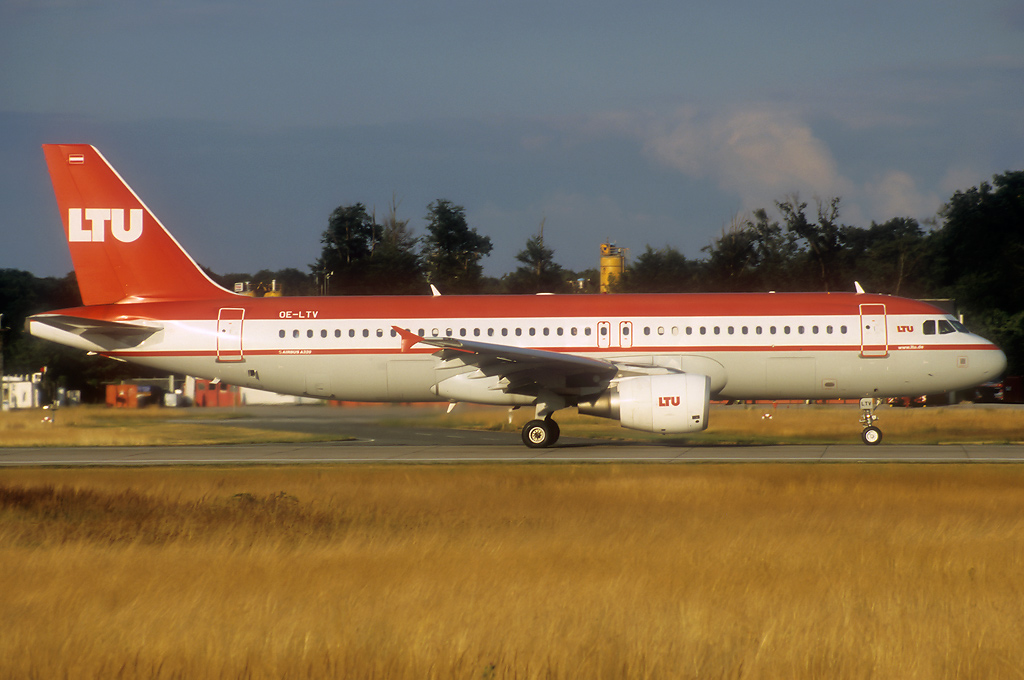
(98,218)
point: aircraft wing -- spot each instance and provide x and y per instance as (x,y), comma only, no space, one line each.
(525,370)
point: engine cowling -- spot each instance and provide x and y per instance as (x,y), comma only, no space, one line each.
(667,404)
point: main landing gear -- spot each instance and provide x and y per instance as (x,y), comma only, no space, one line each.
(539,434)
(871,434)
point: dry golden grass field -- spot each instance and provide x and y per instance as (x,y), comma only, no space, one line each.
(513,571)
(103,426)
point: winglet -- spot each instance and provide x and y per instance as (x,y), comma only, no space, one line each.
(408,338)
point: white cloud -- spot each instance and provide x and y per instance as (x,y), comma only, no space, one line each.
(759,153)
(895,194)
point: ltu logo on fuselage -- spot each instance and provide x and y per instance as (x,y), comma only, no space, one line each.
(98,219)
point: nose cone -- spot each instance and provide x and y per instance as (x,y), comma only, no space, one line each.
(1000,363)
(990,365)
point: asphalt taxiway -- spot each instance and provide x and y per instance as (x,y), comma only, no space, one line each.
(374,441)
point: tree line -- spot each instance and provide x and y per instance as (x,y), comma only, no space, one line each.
(973,253)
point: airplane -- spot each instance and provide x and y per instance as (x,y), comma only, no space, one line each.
(652,362)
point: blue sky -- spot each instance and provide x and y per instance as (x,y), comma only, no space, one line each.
(243,124)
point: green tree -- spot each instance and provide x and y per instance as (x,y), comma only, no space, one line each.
(978,257)
(347,243)
(452,250)
(539,273)
(823,237)
(395,268)
(361,257)
(665,270)
(887,258)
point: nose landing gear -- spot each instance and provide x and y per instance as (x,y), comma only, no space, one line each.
(871,434)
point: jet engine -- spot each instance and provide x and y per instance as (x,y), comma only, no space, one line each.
(667,404)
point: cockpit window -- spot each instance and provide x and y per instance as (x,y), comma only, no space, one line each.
(944,326)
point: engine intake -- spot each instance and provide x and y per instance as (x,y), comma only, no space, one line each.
(668,404)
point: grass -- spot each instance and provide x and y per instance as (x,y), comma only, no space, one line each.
(101,426)
(782,424)
(485,571)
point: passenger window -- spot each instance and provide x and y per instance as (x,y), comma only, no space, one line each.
(828,329)
(587,331)
(394,333)
(757,329)
(800,330)
(647,330)
(476,332)
(814,329)
(280,333)
(572,331)
(490,332)
(718,330)
(745,330)
(625,330)
(842,329)
(703,330)
(785,329)
(661,330)
(558,330)
(604,330)
(337,332)
(323,332)
(545,331)
(504,332)
(772,330)
(675,330)
(366,332)
(689,330)
(434,332)
(732,330)
(462,332)
(380,333)
(309,333)
(449,332)
(519,331)
(532,331)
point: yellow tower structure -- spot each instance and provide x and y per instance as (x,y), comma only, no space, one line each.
(613,263)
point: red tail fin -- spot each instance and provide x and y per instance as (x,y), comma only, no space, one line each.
(120,251)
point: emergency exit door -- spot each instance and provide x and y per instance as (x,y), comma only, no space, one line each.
(874,338)
(229,334)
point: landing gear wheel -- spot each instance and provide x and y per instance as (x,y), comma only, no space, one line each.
(556,432)
(871,435)
(539,434)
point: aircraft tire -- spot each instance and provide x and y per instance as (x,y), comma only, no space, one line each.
(871,435)
(556,431)
(538,434)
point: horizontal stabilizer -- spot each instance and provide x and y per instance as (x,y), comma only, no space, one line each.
(109,335)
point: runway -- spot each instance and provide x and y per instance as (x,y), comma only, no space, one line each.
(374,441)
